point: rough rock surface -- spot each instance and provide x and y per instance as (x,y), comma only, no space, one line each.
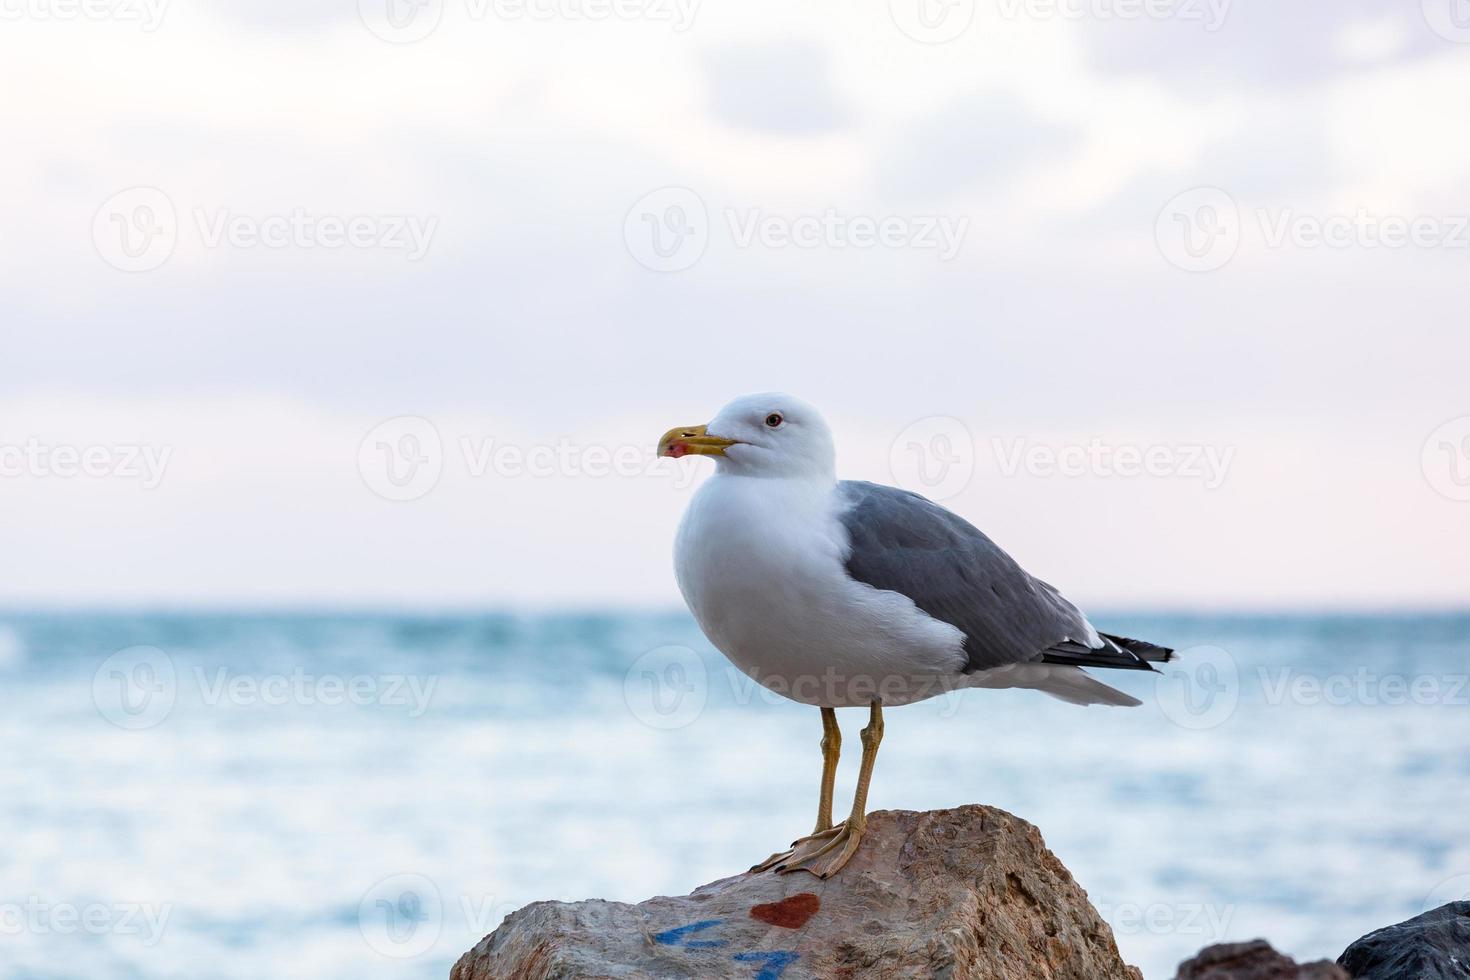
(964,894)
(1255,960)
(1432,946)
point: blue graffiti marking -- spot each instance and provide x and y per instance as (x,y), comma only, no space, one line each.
(675,937)
(774,962)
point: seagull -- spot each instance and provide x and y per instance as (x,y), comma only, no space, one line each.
(841,593)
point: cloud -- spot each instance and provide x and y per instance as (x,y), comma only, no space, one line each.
(1260,44)
(980,143)
(781,87)
(531,142)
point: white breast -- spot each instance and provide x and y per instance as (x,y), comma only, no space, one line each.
(760,563)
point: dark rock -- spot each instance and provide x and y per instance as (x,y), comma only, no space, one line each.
(964,894)
(1255,960)
(1432,946)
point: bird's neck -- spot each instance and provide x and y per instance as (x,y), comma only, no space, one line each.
(805,492)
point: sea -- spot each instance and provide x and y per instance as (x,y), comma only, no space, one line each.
(324,795)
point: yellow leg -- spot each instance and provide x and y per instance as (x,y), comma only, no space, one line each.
(826,852)
(831,749)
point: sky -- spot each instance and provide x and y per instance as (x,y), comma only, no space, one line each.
(384,303)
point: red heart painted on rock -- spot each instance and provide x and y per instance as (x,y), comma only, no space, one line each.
(789,913)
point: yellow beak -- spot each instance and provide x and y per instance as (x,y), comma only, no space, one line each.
(692,440)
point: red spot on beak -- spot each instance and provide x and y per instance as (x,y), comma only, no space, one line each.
(679,449)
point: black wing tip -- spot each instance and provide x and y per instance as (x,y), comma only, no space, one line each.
(1116,653)
(1151,652)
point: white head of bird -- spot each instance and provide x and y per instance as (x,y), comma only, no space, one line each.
(764,435)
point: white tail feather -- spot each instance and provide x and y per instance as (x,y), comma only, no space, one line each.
(1075,686)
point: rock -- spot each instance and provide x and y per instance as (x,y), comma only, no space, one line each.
(966,893)
(1432,946)
(1255,960)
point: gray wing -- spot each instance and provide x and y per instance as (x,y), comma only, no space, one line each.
(902,542)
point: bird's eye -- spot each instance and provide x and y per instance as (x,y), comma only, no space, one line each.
(774,419)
